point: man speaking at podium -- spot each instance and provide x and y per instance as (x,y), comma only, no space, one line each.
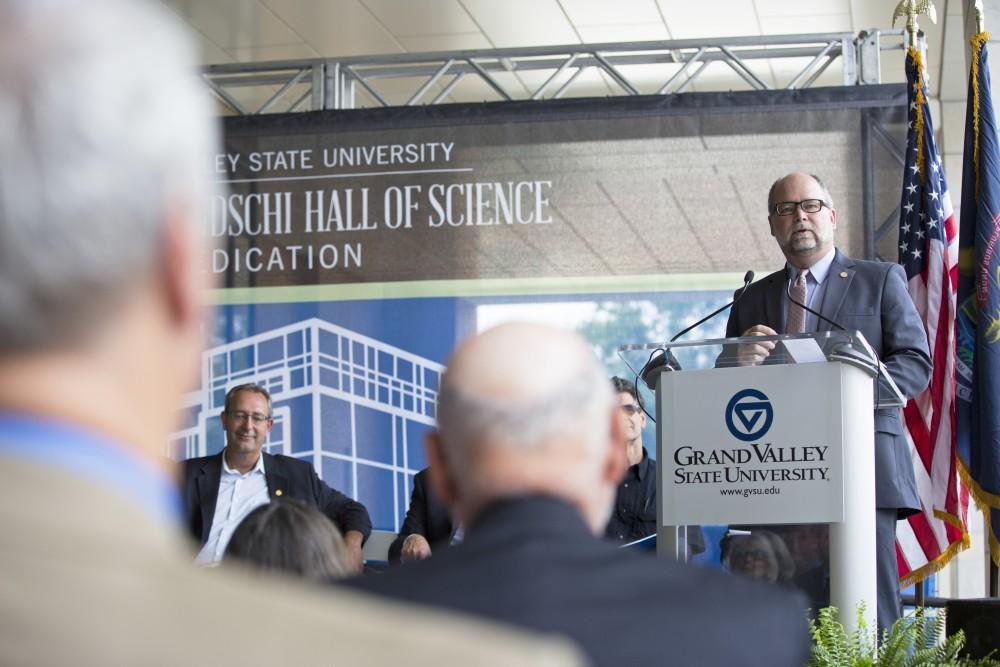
(854,294)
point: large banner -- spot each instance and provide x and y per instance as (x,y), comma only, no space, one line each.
(355,249)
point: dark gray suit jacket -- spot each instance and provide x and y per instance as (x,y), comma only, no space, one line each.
(532,562)
(872,298)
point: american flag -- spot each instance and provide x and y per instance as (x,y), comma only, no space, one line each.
(928,250)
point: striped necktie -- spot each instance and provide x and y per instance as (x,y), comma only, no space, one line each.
(796,315)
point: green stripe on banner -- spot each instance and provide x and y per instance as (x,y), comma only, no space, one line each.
(681,282)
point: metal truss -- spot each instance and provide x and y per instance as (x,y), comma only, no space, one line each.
(429,78)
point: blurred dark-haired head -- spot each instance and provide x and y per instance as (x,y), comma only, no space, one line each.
(293,537)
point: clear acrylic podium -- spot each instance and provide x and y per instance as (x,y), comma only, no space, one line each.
(786,441)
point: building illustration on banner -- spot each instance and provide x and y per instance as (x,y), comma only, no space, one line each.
(355,407)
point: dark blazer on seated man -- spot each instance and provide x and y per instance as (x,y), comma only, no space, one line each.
(287,477)
(533,562)
(427,516)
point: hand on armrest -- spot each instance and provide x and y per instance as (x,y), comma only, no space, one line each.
(415,547)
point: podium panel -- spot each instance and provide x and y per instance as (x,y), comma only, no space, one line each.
(751,445)
(759,446)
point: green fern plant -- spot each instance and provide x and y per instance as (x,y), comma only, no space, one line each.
(833,646)
(913,641)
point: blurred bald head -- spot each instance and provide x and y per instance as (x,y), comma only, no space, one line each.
(527,409)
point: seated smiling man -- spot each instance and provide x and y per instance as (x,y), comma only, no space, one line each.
(220,490)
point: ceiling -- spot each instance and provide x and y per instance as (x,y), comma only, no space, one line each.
(231,31)
(261,30)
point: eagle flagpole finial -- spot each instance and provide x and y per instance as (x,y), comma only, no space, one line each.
(911,9)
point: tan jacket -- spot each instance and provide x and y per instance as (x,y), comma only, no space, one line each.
(87,578)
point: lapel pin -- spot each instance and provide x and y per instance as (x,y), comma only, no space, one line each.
(843,274)
(277,492)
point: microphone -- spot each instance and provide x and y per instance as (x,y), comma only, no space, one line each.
(747,279)
(666,357)
(656,362)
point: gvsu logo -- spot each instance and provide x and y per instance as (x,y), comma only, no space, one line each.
(749,415)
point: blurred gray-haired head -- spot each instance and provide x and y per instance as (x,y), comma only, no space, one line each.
(526,409)
(105,132)
(548,386)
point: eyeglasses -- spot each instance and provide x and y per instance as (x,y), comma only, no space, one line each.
(630,409)
(807,205)
(255,417)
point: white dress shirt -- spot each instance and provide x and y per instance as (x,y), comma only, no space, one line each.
(239,494)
